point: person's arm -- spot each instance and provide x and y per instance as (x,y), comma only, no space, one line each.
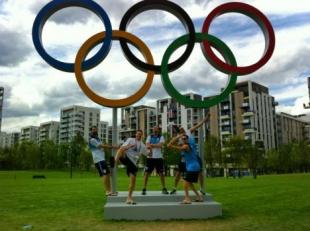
(128,144)
(192,129)
(148,142)
(121,151)
(173,141)
(183,147)
(160,144)
(109,146)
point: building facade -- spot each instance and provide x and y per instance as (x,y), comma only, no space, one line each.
(77,119)
(170,113)
(30,133)
(49,131)
(103,131)
(248,112)
(134,118)
(8,140)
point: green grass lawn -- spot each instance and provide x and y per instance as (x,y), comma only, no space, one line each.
(276,202)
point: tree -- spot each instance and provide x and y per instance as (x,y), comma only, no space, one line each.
(213,153)
(254,155)
(86,159)
(272,162)
(233,149)
(49,154)
(76,146)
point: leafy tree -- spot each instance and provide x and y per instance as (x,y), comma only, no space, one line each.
(254,155)
(49,154)
(213,153)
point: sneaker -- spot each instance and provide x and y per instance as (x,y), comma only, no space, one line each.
(164,191)
(174,191)
(143,191)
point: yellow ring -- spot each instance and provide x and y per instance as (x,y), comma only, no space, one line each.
(92,42)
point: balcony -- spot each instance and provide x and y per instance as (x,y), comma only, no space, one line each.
(225,123)
(249,130)
(227,132)
(245,105)
(248,113)
(225,108)
(246,121)
(224,116)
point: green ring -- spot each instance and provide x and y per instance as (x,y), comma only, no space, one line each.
(220,47)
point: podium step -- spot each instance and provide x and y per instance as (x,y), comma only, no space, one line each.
(155,196)
(156,206)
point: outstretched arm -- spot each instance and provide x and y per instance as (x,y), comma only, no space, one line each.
(109,146)
(199,124)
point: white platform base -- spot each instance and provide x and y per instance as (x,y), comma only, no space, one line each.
(156,206)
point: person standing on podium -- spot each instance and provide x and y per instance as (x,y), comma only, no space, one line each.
(154,143)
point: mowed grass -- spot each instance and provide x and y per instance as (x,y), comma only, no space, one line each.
(275,202)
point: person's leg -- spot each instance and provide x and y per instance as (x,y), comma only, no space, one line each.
(145,180)
(177,179)
(159,166)
(201,182)
(147,172)
(107,183)
(131,188)
(187,199)
(162,180)
(198,196)
(119,154)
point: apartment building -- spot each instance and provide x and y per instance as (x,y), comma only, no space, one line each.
(77,119)
(30,133)
(134,118)
(49,131)
(103,131)
(248,112)
(170,113)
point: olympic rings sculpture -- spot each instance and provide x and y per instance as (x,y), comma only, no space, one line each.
(105,38)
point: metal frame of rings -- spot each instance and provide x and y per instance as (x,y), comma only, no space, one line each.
(207,41)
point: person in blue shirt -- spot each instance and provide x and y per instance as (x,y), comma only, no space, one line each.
(180,169)
(192,166)
(97,149)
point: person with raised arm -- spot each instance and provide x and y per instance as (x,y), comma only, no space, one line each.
(180,169)
(192,166)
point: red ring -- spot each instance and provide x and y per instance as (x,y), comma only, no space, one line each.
(259,18)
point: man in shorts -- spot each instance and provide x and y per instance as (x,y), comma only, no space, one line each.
(97,149)
(128,155)
(154,143)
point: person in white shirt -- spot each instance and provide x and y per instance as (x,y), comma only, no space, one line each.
(96,147)
(129,154)
(154,143)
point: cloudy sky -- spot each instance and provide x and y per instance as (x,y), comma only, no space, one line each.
(35,92)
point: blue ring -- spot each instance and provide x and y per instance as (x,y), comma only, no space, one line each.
(57,5)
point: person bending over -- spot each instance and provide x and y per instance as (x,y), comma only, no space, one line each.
(128,155)
(180,169)
(191,164)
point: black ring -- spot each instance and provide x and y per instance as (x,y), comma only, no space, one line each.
(158,5)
